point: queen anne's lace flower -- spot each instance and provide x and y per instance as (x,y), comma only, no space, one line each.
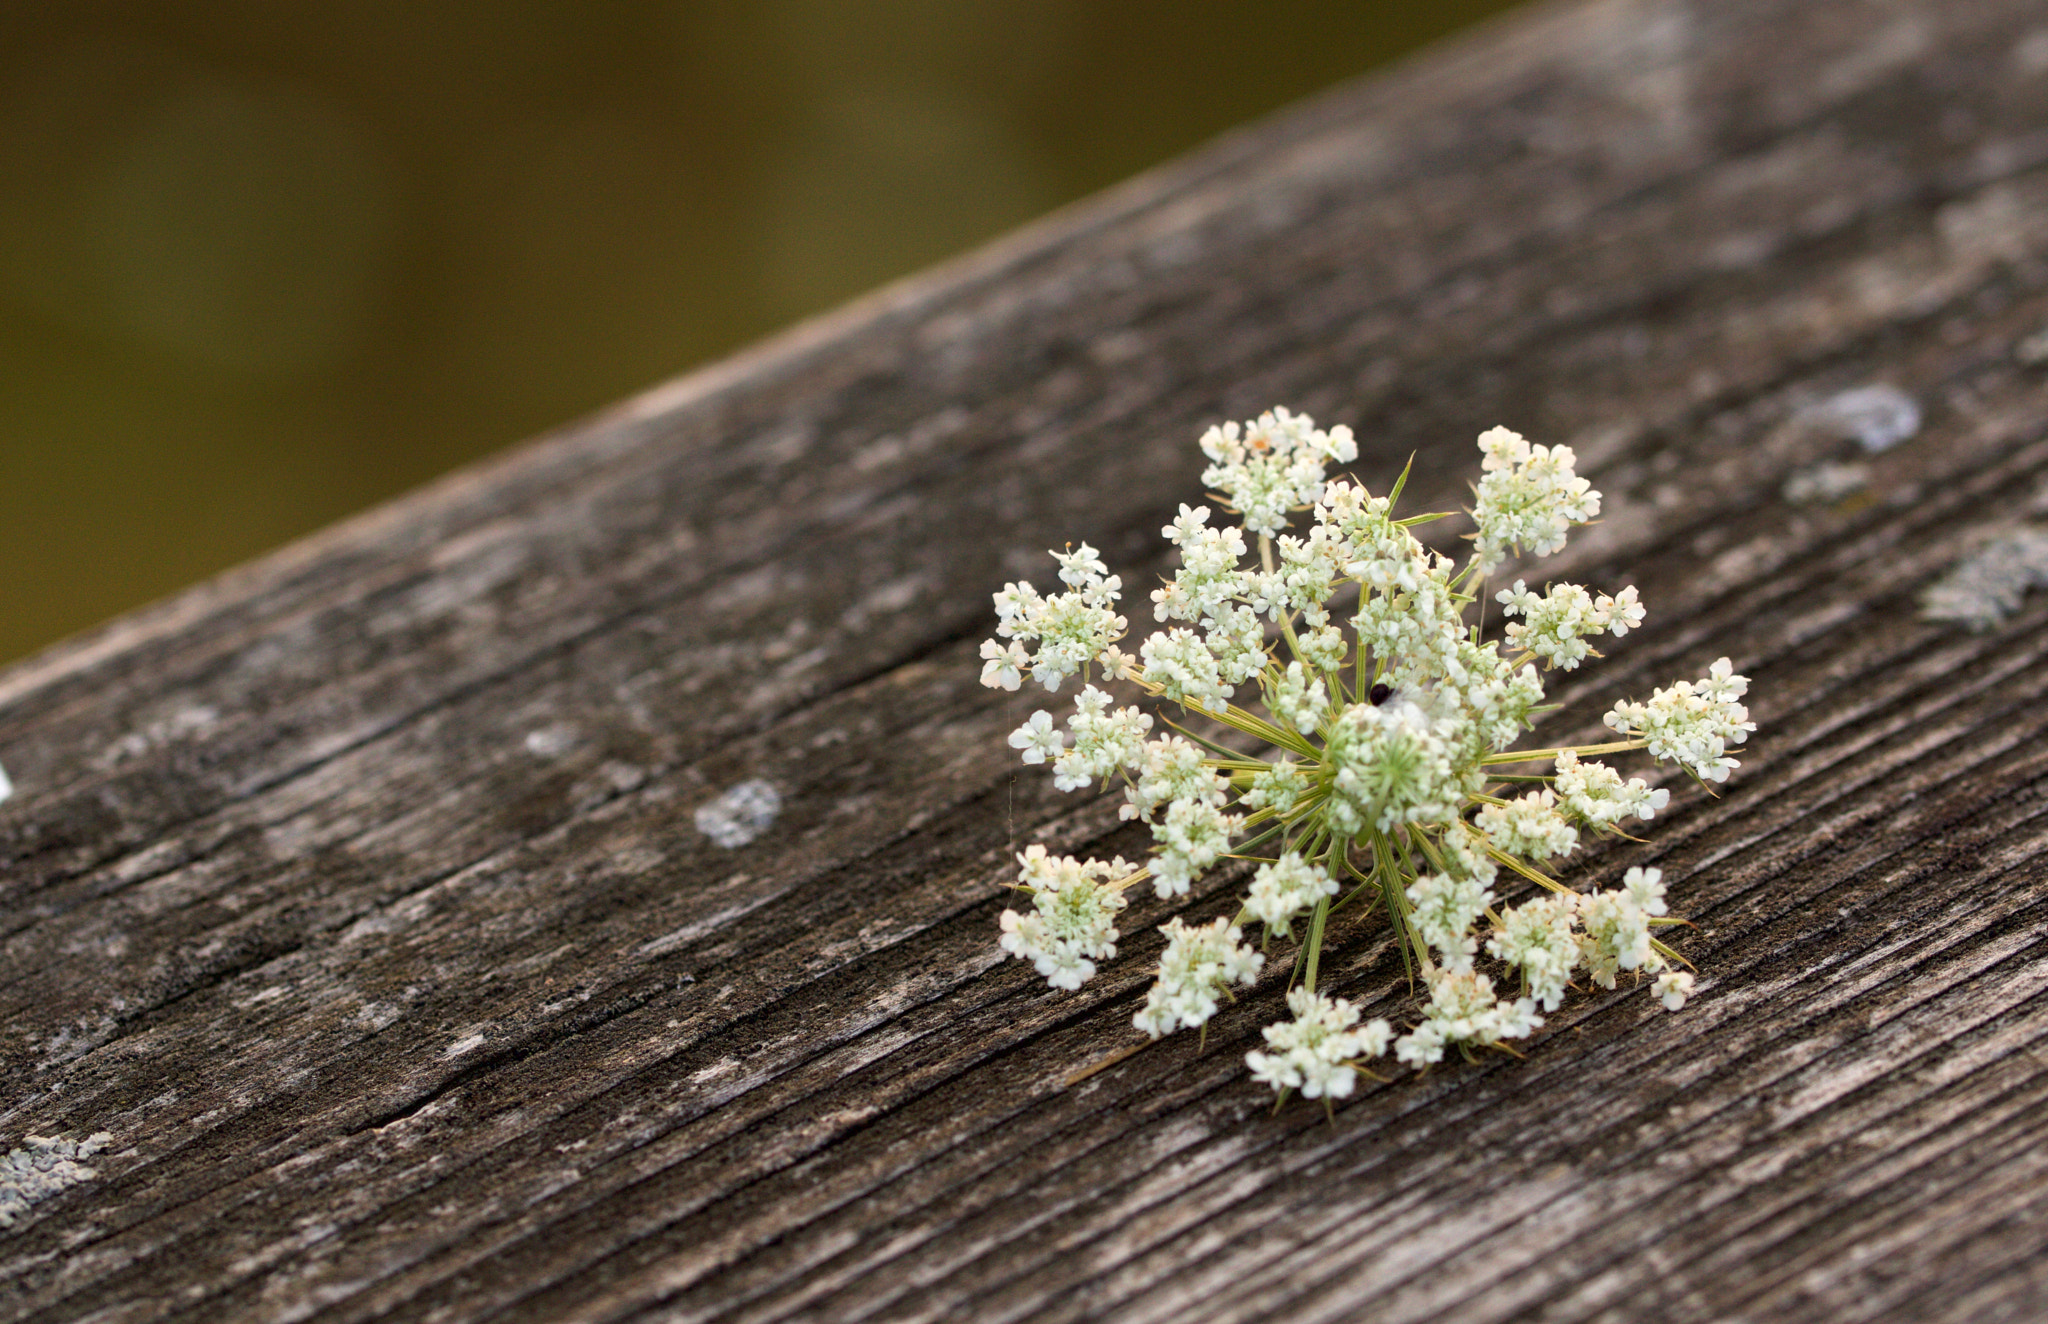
(1674,987)
(1272,465)
(1463,1011)
(1541,938)
(1596,795)
(1313,1052)
(1560,620)
(1072,629)
(1444,908)
(1530,827)
(1038,738)
(1693,722)
(1072,921)
(1199,965)
(1284,889)
(1104,742)
(1528,495)
(1379,727)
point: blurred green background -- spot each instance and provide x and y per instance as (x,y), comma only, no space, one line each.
(264,264)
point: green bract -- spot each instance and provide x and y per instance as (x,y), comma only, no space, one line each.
(1361,762)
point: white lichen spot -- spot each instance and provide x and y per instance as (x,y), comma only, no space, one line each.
(549,741)
(2033,351)
(2031,52)
(468,1044)
(172,729)
(1826,482)
(1981,590)
(741,814)
(40,1169)
(1876,418)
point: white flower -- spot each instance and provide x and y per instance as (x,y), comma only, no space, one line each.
(1299,699)
(1193,835)
(1617,935)
(1038,739)
(1444,909)
(1541,937)
(1391,766)
(1312,1053)
(1645,887)
(1187,527)
(1595,794)
(1073,629)
(1463,1010)
(1072,922)
(1103,741)
(1622,612)
(1692,723)
(1324,648)
(1287,887)
(1272,464)
(1003,665)
(1529,826)
(1169,770)
(1528,494)
(1280,786)
(1081,567)
(1198,964)
(1674,987)
(1560,620)
(1367,727)
(1182,665)
(1420,1046)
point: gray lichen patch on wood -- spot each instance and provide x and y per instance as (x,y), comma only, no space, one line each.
(1988,585)
(40,1168)
(401,967)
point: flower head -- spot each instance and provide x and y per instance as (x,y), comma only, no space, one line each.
(1313,1052)
(1336,718)
(1198,965)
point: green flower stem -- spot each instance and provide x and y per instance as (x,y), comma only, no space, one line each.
(1269,732)
(1430,852)
(1225,755)
(1533,875)
(1583,751)
(1391,876)
(1314,945)
(1667,952)
(1365,880)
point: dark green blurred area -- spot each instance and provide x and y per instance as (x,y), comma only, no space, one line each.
(262,264)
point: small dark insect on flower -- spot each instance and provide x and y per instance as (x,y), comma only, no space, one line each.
(1380,693)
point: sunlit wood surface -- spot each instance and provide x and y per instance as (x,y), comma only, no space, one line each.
(358,895)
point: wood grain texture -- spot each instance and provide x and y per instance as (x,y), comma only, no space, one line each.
(357,895)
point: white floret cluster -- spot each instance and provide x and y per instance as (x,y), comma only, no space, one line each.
(1072,922)
(1378,728)
(1556,623)
(1602,932)
(1199,965)
(1693,722)
(1528,495)
(1285,889)
(1272,465)
(1315,1051)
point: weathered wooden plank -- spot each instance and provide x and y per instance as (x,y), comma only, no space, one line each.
(357,895)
